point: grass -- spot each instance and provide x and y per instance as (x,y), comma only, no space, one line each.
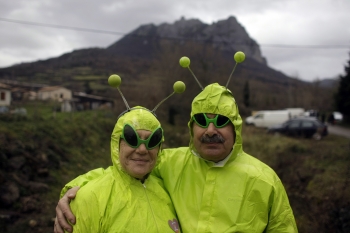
(66,144)
(316,175)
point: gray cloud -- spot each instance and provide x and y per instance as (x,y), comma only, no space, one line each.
(268,22)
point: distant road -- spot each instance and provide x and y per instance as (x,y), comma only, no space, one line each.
(335,129)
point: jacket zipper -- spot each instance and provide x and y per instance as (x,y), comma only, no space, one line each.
(149,203)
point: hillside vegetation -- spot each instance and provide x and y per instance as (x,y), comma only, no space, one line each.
(87,70)
(41,152)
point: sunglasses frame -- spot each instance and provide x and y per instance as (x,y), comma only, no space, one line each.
(210,120)
(142,141)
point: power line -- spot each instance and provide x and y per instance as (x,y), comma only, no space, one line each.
(169,38)
(308,46)
(62,27)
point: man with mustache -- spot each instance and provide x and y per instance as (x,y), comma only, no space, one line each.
(214,185)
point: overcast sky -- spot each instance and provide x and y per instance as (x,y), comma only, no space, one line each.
(308,39)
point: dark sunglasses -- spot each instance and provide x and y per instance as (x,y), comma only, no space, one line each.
(203,121)
(132,138)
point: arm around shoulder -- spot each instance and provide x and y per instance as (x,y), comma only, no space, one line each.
(86,209)
(82,180)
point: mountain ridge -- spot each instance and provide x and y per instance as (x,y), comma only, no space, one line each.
(224,35)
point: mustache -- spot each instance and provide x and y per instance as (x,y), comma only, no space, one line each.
(214,139)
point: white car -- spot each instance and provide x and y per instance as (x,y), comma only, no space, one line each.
(265,119)
(338,117)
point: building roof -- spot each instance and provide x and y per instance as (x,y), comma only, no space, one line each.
(88,96)
(4,86)
(18,89)
(51,88)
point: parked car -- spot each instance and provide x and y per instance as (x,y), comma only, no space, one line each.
(338,117)
(311,113)
(265,119)
(4,109)
(308,127)
(296,112)
(335,118)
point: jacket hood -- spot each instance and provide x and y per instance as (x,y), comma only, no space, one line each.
(217,99)
(138,117)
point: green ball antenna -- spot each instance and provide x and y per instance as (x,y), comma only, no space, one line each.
(239,58)
(185,63)
(115,81)
(178,87)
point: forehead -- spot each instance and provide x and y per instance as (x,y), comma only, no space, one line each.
(143,134)
(140,132)
(139,119)
(210,115)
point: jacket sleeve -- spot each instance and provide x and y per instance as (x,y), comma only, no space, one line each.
(281,218)
(86,209)
(84,179)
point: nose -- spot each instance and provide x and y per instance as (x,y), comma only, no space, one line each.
(211,130)
(142,149)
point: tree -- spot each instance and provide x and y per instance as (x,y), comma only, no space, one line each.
(342,97)
(246,94)
(87,88)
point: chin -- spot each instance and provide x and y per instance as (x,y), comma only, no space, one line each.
(214,156)
(140,174)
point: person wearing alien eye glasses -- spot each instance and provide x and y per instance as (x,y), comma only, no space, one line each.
(129,198)
(214,185)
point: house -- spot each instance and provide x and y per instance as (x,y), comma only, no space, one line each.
(58,93)
(30,95)
(5,95)
(83,101)
(17,93)
(54,93)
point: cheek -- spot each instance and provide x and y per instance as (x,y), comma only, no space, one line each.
(197,131)
(124,151)
(229,135)
(154,154)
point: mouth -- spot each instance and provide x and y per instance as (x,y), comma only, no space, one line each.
(140,160)
(212,145)
(215,141)
(212,140)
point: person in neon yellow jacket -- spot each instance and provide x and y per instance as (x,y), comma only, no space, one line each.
(128,198)
(214,185)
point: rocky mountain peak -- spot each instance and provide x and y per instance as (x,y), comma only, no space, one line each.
(226,35)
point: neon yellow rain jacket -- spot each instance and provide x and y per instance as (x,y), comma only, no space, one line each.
(117,202)
(239,194)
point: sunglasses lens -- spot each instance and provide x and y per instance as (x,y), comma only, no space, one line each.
(222,121)
(200,119)
(130,135)
(155,139)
